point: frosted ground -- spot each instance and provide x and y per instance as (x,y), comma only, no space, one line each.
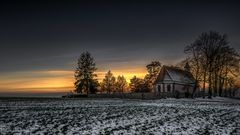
(108,116)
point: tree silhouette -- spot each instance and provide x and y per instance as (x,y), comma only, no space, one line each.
(154,67)
(84,74)
(153,70)
(108,83)
(214,62)
(138,85)
(121,84)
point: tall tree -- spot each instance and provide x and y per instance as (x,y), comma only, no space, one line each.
(84,74)
(121,84)
(194,61)
(108,83)
(212,56)
(153,70)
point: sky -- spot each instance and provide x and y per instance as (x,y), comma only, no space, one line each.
(41,41)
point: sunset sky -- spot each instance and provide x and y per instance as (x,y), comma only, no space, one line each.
(41,41)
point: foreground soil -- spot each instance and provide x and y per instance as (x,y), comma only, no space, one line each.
(116,116)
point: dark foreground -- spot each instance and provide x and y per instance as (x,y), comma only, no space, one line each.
(115,116)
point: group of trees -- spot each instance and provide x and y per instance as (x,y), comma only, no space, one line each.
(86,78)
(214,64)
(86,81)
(110,84)
(146,84)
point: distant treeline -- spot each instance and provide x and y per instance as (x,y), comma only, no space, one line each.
(86,81)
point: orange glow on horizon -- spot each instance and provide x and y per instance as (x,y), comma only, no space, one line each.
(54,80)
(37,81)
(128,74)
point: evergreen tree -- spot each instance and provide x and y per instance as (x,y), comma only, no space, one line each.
(121,84)
(108,83)
(84,74)
(137,85)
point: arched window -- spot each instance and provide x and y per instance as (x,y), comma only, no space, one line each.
(168,87)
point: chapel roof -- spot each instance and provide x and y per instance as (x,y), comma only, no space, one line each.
(176,74)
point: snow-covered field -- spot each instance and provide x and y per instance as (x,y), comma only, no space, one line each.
(115,116)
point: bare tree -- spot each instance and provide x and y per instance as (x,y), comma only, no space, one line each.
(214,61)
(194,62)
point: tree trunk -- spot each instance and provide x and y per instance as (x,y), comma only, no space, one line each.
(215,84)
(87,86)
(194,88)
(204,83)
(220,86)
(210,84)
